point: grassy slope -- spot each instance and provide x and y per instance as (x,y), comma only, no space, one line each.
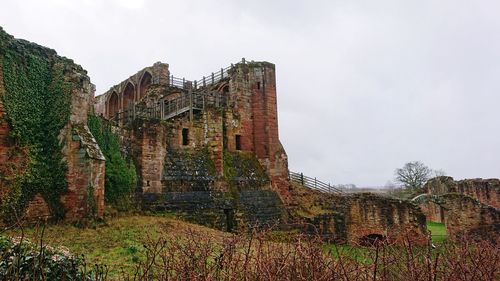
(116,243)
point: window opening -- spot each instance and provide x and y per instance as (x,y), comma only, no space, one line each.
(238,142)
(185,136)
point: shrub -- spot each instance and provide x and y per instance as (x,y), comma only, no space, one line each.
(23,260)
(120,178)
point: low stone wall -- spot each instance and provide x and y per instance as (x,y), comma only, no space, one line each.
(369,214)
(470,219)
(221,210)
(487,191)
(354,218)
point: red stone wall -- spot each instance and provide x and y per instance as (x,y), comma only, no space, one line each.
(253,86)
(487,191)
(160,76)
(433,212)
(85,161)
(37,209)
(251,113)
(468,218)
(149,151)
(395,219)
(85,179)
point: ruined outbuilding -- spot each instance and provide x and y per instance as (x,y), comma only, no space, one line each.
(469,208)
(360,218)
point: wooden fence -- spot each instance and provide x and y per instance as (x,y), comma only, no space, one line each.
(312,183)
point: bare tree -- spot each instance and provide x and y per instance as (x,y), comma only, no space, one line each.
(438,173)
(413,175)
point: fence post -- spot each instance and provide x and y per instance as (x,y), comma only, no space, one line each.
(204,83)
(162,109)
(213,78)
(190,106)
(315,183)
(221,73)
(301,174)
(195,84)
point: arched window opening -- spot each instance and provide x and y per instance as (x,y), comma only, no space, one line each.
(145,83)
(113,105)
(128,96)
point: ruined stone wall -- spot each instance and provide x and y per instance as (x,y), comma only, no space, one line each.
(432,211)
(487,191)
(354,218)
(470,219)
(148,144)
(221,210)
(371,214)
(133,89)
(249,114)
(84,196)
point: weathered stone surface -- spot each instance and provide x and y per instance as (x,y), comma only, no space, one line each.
(221,210)
(85,174)
(247,110)
(487,191)
(353,218)
(468,218)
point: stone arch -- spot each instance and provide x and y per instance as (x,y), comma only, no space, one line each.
(128,95)
(144,84)
(372,239)
(223,88)
(113,104)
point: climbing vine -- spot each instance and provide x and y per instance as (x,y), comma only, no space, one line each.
(37,106)
(120,177)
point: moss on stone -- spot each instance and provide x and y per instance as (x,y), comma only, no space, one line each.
(37,98)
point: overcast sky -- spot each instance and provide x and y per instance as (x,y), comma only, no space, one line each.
(363,86)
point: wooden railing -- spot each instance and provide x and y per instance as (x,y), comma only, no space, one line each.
(196,98)
(312,183)
(209,80)
(166,109)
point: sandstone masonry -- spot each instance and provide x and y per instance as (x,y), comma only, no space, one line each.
(85,176)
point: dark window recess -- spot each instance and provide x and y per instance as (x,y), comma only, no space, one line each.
(258,85)
(229,219)
(185,136)
(238,142)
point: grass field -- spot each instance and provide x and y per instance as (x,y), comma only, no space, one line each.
(438,231)
(118,242)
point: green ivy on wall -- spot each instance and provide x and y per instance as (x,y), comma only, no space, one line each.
(120,178)
(37,102)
